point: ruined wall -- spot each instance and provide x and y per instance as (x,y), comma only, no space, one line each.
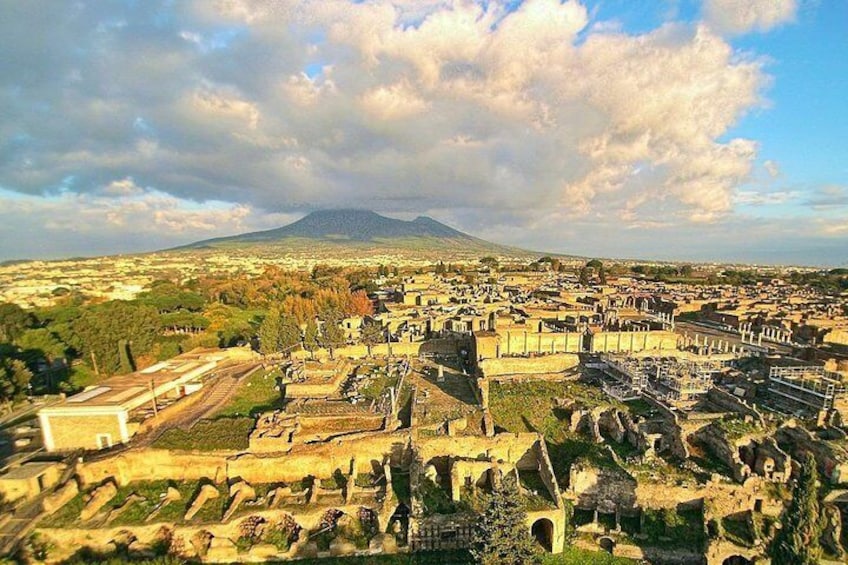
(322,460)
(727,401)
(519,342)
(529,365)
(613,342)
(592,487)
(319,460)
(152,465)
(507,446)
(403,349)
(546,472)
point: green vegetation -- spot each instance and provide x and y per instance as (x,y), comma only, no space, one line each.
(229,434)
(257,394)
(278,333)
(421,558)
(531,407)
(78,342)
(535,495)
(577,556)
(797,542)
(435,499)
(736,428)
(151,491)
(501,536)
(400,484)
(674,528)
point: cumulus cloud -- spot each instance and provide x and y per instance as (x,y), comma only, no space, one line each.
(486,113)
(742,16)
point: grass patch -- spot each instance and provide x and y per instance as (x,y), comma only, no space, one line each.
(576,556)
(672,528)
(419,558)
(229,434)
(257,394)
(378,381)
(212,511)
(530,407)
(536,496)
(736,428)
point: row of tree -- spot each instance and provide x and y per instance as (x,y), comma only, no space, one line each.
(281,332)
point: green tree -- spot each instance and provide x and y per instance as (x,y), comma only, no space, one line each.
(289,333)
(269,333)
(125,357)
(595,264)
(332,335)
(41,343)
(372,334)
(584,276)
(311,337)
(13,321)
(797,541)
(490,262)
(602,275)
(14,378)
(501,536)
(100,329)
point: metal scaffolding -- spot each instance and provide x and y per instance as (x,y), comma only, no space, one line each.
(804,389)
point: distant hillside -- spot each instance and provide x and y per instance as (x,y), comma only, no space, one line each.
(356,227)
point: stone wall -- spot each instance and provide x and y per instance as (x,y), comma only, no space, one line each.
(507,447)
(403,349)
(529,365)
(613,342)
(522,342)
(319,460)
(152,465)
(727,401)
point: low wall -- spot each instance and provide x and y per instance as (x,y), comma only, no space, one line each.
(402,349)
(319,460)
(613,342)
(727,401)
(528,365)
(508,447)
(520,342)
(153,465)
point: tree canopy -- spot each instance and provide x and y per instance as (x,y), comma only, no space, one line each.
(501,536)
(797,541)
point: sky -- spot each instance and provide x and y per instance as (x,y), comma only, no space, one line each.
(713,130)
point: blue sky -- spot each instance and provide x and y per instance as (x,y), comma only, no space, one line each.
(685,130)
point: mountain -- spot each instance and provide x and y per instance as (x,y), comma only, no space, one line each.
(359,228)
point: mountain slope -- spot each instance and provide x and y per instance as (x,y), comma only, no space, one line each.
(358,227)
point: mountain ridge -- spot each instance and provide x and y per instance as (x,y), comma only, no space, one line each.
(356,226)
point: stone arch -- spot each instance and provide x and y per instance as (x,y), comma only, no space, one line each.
(543,532)
(607,544)
(737,560)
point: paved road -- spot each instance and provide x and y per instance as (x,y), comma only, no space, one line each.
(714,333)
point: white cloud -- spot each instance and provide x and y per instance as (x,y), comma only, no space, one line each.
(741,16)
(525,119)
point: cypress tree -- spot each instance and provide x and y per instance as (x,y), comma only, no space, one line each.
(269,333)
(289,333)
(333,335)
(797,542)
(501,536)
(311,336)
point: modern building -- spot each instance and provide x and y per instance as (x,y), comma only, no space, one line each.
(111,412)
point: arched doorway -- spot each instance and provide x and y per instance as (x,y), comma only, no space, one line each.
(607,544)
(737,560)
(543,533)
